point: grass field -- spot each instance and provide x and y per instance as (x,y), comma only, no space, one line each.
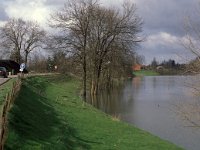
(4,89)
(49,115)
(145,73)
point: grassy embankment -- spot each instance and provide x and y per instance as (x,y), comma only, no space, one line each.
(145,73)
(4,89)
(49,115)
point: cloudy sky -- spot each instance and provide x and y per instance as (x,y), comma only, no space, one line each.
(163,22)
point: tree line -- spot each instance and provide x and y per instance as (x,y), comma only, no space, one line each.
(167,67)
(98,41)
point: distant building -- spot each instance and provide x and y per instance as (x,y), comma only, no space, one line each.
(11,66)
(137,67)
(160,68)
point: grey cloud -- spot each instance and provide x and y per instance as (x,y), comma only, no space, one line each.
(164,53)
(3,15)
(55,2)
(165,15)
(158,15)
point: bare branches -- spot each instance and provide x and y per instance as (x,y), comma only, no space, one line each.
(191,42)
(95,35)
(19,36)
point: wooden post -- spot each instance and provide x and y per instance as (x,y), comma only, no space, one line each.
(6,107)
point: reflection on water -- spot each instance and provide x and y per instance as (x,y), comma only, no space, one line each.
(108,101)
(148,103)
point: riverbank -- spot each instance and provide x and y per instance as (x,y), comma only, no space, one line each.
(48,114)
(145,73)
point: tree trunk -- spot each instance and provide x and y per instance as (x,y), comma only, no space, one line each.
(26,58)
(16,56)
(94,86)
(93,90)
(84,78)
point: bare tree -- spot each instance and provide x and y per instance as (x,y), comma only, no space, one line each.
(38,63)
(112,31)
(92,34)
(20,37)
(191,42)
(73,21)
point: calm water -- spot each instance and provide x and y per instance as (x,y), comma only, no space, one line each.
(151,103)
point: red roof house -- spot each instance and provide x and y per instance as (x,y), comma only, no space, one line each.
(137,67)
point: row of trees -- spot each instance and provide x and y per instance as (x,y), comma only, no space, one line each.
(165,63)
(99,41)
(39,63)
(167,67)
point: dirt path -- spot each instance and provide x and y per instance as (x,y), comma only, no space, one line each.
(3,80)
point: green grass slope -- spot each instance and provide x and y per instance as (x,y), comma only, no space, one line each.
(48,115)
(145,73)
(4,89)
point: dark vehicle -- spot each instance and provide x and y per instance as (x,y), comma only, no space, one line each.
(3,72)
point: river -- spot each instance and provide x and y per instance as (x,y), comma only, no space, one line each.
(155,104)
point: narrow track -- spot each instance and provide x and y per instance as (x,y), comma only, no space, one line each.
(3,80)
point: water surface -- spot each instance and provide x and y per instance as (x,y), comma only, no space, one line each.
(151,103)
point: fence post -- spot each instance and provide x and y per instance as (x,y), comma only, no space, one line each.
(10,97)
